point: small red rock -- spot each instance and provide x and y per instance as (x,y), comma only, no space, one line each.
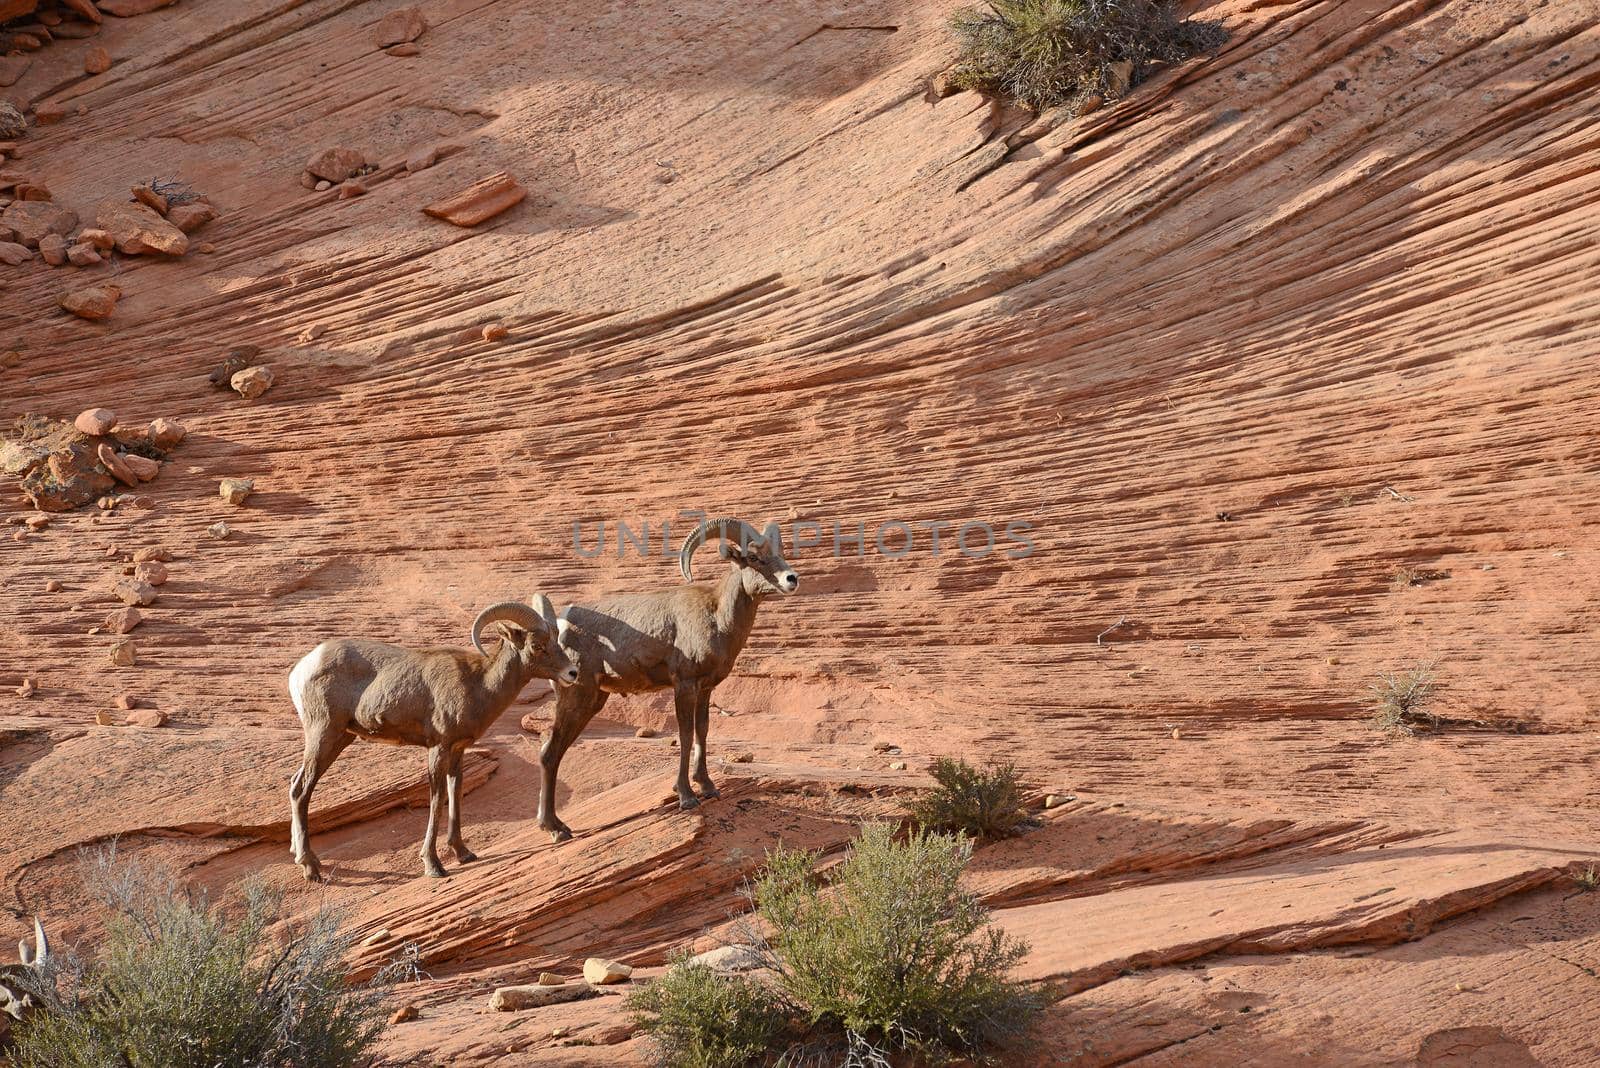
(53,247)
(100,239)
(165,433)
(531,723)
(114,462)
(336,164)
(80,255)
(28,688)
(123,620)
(49,112)
(153,552)
(127,701)
(401,26)
(53,586)
(96,421)
(152,571)
(124,654)
(13,254)
(143,468)
(132,592)
(403,1014)
(190,217)
(350,190)
(494,332)
(251,382)
(85,8)
(403,51)
(96,60)
(150,198)
(93,303)
(147,717)
(422,159)
(482,200)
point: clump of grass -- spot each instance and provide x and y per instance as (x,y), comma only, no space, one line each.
(699,1019)
(1588,879)
(1042,53)
(978,802)
(183,982)
(1402,700)
(891,959)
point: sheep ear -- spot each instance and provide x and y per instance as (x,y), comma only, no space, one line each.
(511,632)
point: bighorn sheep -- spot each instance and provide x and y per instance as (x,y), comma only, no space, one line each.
(685,638)
(443,699)
(18,981)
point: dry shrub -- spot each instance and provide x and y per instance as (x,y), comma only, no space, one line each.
(978,802)
(183,982)
(1041,53)
(1404,699)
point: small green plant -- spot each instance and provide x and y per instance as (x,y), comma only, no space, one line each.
(1588,879)
(699,1019)
(1041,53)
(1401,700)
(892,958)
(979,802)
(895,954)
(182,982)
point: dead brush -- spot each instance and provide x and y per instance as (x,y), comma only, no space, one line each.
(1588,879)
(1403,700)
(1041,53)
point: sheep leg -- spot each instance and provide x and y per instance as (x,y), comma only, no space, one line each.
(687,692)
(463,854)
(322,749)
(702,723)
(575,706)
(438,760)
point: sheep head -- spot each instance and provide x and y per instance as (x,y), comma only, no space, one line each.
(533,633)
(758,556)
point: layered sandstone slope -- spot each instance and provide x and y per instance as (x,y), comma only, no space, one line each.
(1238,349)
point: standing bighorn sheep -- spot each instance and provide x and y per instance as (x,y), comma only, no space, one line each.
(685,638)
(443,699)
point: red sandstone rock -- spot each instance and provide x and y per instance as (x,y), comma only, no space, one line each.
(483,200)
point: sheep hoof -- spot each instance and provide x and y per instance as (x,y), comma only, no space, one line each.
(687,803)
(560,834)
(707,792)
(465,855)
(433,868)
(312,872)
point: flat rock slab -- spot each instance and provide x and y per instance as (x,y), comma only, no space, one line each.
(480,201)
(510,998)
(1378,895)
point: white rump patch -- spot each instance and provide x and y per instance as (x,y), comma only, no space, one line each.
(301,677)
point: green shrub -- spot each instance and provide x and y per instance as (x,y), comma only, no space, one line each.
(894,954)
(1401,700)
(182,982)
(979,802)
(699,1019)
(1047,52)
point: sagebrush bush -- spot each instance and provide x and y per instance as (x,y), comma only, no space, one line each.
(979,802)
(183,982)
(1403,699)
(699,1019)
(894,954)
(1047,52)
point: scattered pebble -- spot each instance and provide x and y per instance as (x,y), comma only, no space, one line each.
(404,50)
(219,530)
(252,382)
(602,972)
(742,758)
(235,490)
(127,701)
(96,60)
(351,189)
(152,572)
(105,719)
(646,732)
(124,654)
(323,186)
(96,421)
(134,592)
(380,935)
(531,723)
(53,586)
(28,688)
(898,765)
(401,26)
(336,164)
(494,332)
(92,302)
(123,620)
(152,552)
(551,979)
(165,433)
(1057,800)
(147,717)
(403,1014)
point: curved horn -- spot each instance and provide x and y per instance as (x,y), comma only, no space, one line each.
(524,616)
(746,534)
(547,611)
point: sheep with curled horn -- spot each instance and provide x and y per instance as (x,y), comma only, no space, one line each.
(442,699)
(685,639)
(19,981)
